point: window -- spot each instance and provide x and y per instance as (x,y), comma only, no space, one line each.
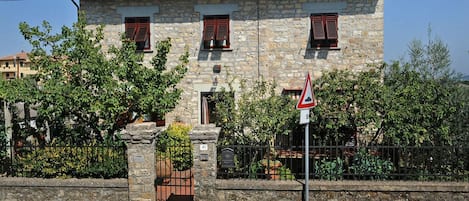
(138,30)
(208,103)
(6,64)
(207,108)
(292,93)
(324,30)
(216,31)
(21,64)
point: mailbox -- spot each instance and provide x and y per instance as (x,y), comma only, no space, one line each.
(227,158)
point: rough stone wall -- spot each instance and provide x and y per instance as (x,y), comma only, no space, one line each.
(268,39)
(235,190)
(19,189)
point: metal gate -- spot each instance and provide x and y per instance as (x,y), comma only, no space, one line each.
(175,179)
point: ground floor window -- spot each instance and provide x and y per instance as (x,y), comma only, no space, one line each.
(207,107)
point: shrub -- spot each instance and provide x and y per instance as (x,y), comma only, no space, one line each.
(329,170)
(66,161)
(285,173)
(175,143)
(369,166)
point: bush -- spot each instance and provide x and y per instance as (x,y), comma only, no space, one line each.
(65,161)
(369,166)
(329,170)
(175,143)
(285,173)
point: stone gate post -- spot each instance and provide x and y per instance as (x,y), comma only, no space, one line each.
(140,140)
(205,138)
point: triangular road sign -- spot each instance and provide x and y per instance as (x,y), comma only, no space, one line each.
(307,99)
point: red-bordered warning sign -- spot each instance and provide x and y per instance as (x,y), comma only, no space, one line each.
(307,99)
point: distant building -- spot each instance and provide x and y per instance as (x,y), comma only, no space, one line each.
(15,66)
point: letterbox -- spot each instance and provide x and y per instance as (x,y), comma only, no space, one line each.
(227,158)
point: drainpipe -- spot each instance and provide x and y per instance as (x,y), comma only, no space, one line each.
(76,5)
(258,41)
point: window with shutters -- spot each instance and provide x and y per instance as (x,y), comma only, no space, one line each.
(324,30)
(216,32)
(138,30)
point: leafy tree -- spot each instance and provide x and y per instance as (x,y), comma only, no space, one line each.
(431,60)
(349,104)
(257,116)
(423,100)
(82,90)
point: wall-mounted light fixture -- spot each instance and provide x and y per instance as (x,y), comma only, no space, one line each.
(216,68)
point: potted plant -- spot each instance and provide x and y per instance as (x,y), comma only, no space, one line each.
(164,168)
(271,168)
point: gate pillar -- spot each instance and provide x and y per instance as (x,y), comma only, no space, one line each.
(140,140)
(205,138)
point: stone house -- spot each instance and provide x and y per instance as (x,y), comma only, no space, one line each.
(246,39)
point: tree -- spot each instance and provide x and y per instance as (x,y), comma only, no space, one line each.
(349,107)
(423,96)
(431,59)
(84,92)
(256,117)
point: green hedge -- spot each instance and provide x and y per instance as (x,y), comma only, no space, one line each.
(64,161)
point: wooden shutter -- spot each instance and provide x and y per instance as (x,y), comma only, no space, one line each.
(222,29)
(318,28)
(142,32)
(331,26)
(130,29)
(209,29)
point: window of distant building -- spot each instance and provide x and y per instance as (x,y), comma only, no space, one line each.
(324,30)
(21,64)
(216,32)
(7,64)
(138,30)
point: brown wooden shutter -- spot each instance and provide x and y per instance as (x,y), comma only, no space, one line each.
(222,29)
(142,32)
(331,26)
(209,29)
(130,29)
(318,28)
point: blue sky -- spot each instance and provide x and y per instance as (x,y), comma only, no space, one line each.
(404,20)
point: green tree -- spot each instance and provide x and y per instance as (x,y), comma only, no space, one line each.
(257,116)
(84,92)
(349,107)
(424,99)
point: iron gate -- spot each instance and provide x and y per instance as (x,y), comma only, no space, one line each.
(175,179)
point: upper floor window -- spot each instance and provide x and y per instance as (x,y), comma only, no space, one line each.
(216,31)
(7,64)
(324,30)
(138,30)
(21,64)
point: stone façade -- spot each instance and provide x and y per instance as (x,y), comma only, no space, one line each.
(269,39)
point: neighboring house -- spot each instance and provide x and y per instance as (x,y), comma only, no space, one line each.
(15,66)
(247,39)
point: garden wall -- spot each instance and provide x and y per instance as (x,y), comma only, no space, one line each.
(18,189)
(259,190)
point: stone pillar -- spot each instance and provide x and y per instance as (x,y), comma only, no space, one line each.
(140,140)
(205,138)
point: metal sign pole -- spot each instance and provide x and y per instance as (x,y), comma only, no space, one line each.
(304,104)
(307,162)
